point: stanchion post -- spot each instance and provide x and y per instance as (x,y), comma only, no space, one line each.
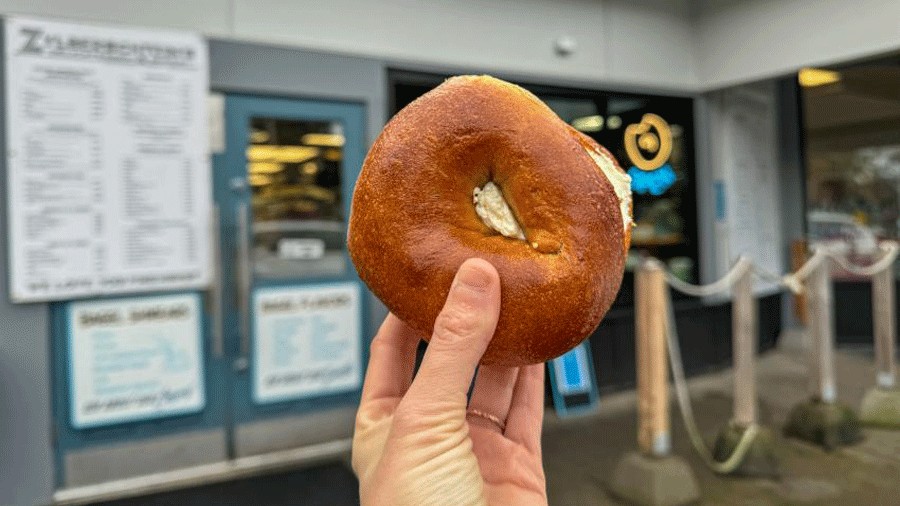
(881,405)
(652,378)
(884,316)
(744,341)
(652,476)
(822,420)
(821,301)
(760,459)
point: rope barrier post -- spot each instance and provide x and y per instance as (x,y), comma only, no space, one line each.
(654,437)
(881,405)
(821,298)
(744,345)
(884,298)
(652,476)
(760,459)
(822,420)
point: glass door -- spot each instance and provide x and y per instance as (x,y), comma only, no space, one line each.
(293,308)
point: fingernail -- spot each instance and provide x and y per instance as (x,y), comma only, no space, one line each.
(473,276)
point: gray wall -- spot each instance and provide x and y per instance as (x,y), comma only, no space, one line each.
(634,42)
(793,176)
(26,455)
(738,41)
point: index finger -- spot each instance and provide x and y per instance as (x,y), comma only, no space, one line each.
(392,358)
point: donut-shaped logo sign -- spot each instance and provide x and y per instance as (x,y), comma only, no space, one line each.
(653,136)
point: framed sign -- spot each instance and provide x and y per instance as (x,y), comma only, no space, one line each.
(573,383)
(307,341)
(135,358)
(108,171)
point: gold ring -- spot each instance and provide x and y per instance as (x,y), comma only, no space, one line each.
(489,417)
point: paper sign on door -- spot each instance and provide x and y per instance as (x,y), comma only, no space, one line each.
(307,341)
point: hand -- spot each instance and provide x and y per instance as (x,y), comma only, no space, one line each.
(416,445)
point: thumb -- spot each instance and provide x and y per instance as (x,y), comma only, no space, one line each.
(462,332)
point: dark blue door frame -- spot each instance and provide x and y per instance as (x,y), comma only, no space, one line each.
(232,195)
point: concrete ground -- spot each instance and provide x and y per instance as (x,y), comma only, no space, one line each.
(580,454)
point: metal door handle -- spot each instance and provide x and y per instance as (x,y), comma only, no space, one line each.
(215,288)
(243,277)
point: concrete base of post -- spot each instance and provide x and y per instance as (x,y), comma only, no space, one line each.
(881,408)
(654,481)
(829,425)
(760,460)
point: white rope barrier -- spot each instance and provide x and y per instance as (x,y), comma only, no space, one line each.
(687,413)
(795,282)
(724,283)
(792,281)
(787,281)
(890,250)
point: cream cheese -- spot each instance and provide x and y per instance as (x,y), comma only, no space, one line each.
(621,183)
(495,212)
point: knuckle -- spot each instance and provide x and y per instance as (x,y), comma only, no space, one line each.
(378,344)
(409,415)
(455,324)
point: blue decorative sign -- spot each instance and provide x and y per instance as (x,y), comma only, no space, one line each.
(654,182)
(573,383)
(651,175)
(719,186)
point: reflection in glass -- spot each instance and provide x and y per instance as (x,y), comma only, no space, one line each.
(294,170)
(852,131)
(665,221)
(660,226)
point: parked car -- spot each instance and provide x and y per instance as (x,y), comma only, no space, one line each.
(841,232)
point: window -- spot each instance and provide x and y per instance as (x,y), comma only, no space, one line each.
(852,134)
(665,211)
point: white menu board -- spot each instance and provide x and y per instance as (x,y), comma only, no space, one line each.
(107,158)
(307,341)
(752,179)
(134,359)
(746,181)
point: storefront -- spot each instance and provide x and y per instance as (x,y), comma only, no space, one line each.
(257,364)
(851,126)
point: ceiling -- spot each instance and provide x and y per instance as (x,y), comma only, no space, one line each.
(861,109)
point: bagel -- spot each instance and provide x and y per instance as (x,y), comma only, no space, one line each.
(479,167)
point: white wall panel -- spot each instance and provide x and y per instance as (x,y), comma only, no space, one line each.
(740,41)
(212,17)
(495,35)
(650,42)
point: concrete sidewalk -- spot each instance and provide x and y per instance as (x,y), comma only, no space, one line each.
(580,455)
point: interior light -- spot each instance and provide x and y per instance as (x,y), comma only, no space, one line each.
(309,168)
(810,77)
(259,136)
(264,167)
(259,179)
(281,154)
(325,140)
(588,123)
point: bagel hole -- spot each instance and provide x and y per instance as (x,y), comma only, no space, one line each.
(495,212)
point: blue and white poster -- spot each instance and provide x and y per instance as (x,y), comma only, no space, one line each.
(134,359)
(572,381)
(307,341)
